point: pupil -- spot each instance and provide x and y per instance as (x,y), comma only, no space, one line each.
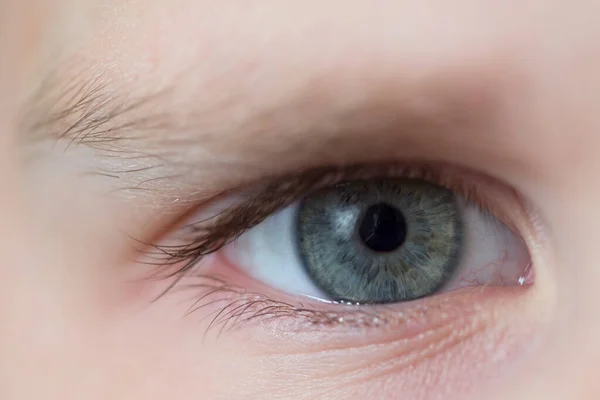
(383,228)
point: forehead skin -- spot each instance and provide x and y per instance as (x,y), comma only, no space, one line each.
(523,74)
(260,74)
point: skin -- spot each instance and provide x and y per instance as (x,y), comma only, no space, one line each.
(508,89)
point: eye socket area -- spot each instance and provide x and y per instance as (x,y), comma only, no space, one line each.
(490,253)
(275,306)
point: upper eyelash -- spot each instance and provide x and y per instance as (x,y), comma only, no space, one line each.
(210,235)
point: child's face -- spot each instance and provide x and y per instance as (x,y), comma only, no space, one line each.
(328,199)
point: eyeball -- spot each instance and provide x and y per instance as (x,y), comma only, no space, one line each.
(380,241)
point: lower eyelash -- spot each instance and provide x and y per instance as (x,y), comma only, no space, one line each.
(235,306)
(229,307)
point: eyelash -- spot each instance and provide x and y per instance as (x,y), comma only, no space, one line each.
(203,238)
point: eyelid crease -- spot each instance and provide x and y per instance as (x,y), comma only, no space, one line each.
(205,237)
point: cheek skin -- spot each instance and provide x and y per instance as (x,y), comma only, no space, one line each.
(499,348)
(461,350)
(152,352)
(461,343)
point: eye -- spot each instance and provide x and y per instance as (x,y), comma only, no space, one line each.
(377,241)
(310,244)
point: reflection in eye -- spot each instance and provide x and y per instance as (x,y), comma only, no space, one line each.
(380,241)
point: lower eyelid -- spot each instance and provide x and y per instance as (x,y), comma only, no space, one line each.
(457,345)
(462,336)
(392,338)
(224,287)
(469,330)
(467,310)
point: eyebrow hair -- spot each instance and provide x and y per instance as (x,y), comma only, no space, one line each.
(90,110)
(236,136)
(86,112)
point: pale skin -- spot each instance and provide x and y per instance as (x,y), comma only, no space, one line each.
(198,99)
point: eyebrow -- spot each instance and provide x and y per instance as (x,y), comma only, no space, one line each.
(237,135)
(85,112)
(93,111)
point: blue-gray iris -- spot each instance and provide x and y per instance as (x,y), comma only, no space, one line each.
(380,241)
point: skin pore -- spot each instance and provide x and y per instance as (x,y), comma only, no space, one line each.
(122,121)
